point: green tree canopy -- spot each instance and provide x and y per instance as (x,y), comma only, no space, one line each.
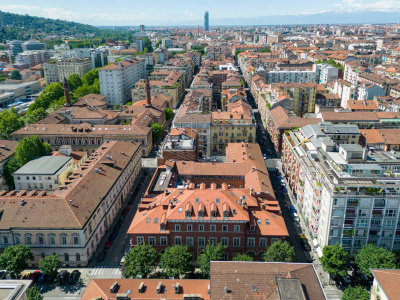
(89,77)
(9,122)
(9,168)
(16,75)
(86,90)
(355,293)
(15,259)
(140,260)
(242,257)
(210,253)
(51,93)
(280,252)
(116,107)
(373,257)
(169,113)
(34,116)
(156,130)
(335,260)
(33,294)
(50,265)
(29,148)
(74,81)
(176,261)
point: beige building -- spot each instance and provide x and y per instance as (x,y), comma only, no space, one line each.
(87,137)
(67,67)
(50,70)
(233,126)
(169,83)
(73,219)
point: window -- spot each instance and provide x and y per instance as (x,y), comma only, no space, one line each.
(178,240)
(78,257)
(362,223)
(201,241)
(201,227)
(189,241)
(28,239)
(263,242)
(17,240)
(225,228)
(213,241)
(5,240)
(75,239)
(140,240)
(152,240)
(274,240)
(389,223)
(52,239)
(237,228)
(390,213)
(224,241)
(177,227)
(63,240)
(163,241)
(40,240)
(189,227)
(251,242)
(252,228)
(66,257)
(236,242)
(213,228)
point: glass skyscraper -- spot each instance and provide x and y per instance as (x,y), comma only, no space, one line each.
(206,24)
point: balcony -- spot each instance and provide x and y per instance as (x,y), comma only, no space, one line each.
(317,203)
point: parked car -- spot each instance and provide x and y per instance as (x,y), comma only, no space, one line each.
(126,210)
(304,242)
(26,275)
(108,244)
(293,209)
(42,278)
(295,217)
(50,279)
(102,255)
(34,276)
(131,201)
(113,236)
(284,189)
(3,274)
(264,156)
(74,277)
(62,277)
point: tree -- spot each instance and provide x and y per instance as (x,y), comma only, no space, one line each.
(85,90)
(50,265)
(237,52)
(89,77)
(212,252)
(355,293)
(335,260)
(140,260)
(169,113)
(280,252)
(33,294)
(51,93)
(9,168)
(242,257)
(9,122)
(14,259)
(16,75)
(176,260)
(74,81)
(372,257)
(116,107)
(30,148)
(34,116)
(156,130)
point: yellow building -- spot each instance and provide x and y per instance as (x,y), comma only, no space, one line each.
(302,96)
(233,126)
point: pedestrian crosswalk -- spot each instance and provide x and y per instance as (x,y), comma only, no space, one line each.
(106,272)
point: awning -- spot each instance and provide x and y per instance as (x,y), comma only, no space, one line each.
(315,242)
(319,252)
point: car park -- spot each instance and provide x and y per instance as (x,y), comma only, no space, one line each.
(74,277)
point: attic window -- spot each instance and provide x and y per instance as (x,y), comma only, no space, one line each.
(234,211)
(217,200)
(148,220)
(254,288)
(267,221)
(155,220)
(259,222)
(180,209)
(197,200)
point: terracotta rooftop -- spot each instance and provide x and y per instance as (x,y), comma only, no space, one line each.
(389,281)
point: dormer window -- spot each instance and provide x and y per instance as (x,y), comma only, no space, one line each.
(162,226)
(226,214)
(252,228)
(188,214)
(201,214)
(213,214)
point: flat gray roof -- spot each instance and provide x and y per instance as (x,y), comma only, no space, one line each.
(45,165)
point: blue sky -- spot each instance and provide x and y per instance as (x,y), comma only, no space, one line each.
(133,12)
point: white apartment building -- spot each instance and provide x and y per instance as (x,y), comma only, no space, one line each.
(67,67)
(72,220)
(28,59)
(290,76)
(328,73)
(346,195)
(117,80)
(50,70)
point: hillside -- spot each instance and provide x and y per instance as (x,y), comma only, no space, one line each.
(15,26)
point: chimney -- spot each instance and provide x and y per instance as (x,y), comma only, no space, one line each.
(66,93)
(202,186)
(114,287)
(224,186)
(177,288)
(141,287)
(148,97)
(159,287)
(262,181)
(213,186)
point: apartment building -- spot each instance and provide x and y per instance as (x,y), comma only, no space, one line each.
(169,83)
(117,80)
(191,115)
(209,206)
(235,125)
(328,73)
(180,144)
(50,70)
(302,96)
(28,59)
(67,67)
(57,223)
(87,137)
(346,195)
(352,70)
